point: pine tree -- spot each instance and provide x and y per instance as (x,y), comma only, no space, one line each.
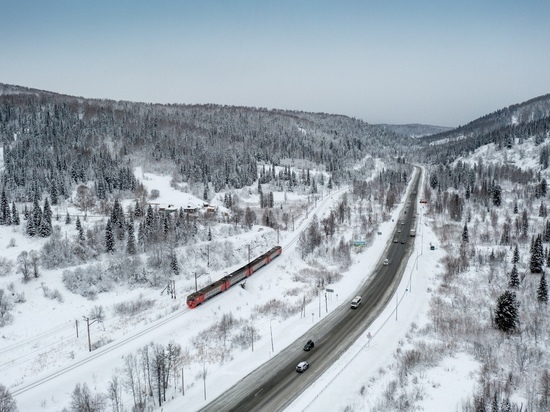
(497,195)
(209,236)
(117,214)
(166,226)
(516,211)
(142,236)
(514,278)
(494,404)
(542,291)
(506,312)
(137,210)
(542,210)
(53,192)
(68,219)
(15,215)
(80,230)
(149,217)
(131,244)
(465,236)
(515,258)
(47,214)
(109,238)
(537,256)
(174,266)
(5,215)
(433,181)
(45,229)
(36,215)
(546,235)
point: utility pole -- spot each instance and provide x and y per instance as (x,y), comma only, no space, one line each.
(76,324)
(204,378)
(271,332)
(88,323)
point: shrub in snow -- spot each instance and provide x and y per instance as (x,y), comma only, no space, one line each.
(154,194)
(6,266)
(134,307)
(51,294)
(87,281)
(58,252)
(6,305)
(7,403)
(82,399)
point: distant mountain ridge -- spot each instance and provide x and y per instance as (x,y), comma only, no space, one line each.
(504,128)
(415,129)
(529,111)
(9,89)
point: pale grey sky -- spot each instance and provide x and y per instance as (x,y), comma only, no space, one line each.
(435,62)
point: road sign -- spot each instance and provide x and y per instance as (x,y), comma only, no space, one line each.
(359,243)
(329,290)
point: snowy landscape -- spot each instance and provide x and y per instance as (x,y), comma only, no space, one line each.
(274,206)
(40,349)
(94,286)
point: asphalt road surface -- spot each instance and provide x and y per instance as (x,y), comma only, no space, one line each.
(276,384)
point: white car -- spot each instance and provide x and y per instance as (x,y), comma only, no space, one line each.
(302,366)
(386,262)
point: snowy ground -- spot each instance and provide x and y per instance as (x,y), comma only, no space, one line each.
(42,340)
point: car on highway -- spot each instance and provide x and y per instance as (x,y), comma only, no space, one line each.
(309,345)
(395,240)
(302,366)
(402,222)
(398,230)
(402,241)
(386,262)
(355,302)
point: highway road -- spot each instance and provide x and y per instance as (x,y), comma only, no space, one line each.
(276,384)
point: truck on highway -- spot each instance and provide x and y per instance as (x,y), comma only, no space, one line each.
(413,233)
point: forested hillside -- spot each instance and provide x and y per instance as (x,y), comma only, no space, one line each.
(53,142)
(503,127)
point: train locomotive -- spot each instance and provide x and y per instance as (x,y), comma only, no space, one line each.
(233,278)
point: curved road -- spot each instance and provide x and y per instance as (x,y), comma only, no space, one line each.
(276,384)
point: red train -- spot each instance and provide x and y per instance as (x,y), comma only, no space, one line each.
(227,281)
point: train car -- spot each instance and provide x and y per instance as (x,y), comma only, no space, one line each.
(233,278)
(207,292)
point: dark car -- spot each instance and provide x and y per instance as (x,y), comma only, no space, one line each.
(309,345)
(402,241)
